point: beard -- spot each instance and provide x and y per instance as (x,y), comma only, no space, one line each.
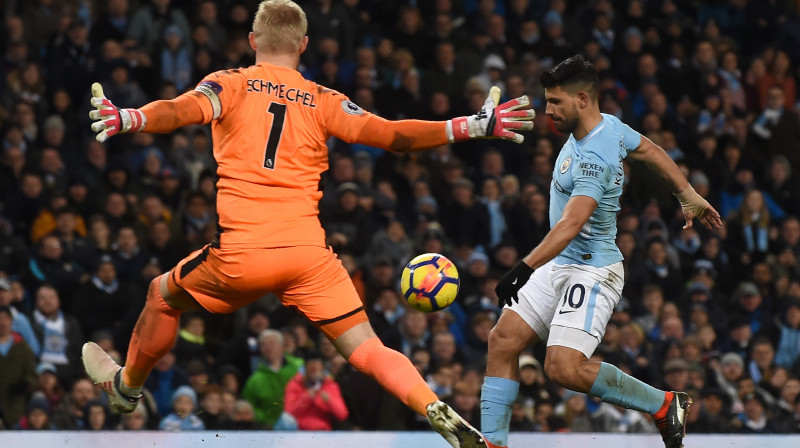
(569,121)
(567,125)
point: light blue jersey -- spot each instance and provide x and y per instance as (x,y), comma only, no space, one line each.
(593,167)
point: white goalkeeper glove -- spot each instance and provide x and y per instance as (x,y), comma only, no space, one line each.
(111,120)
(494,121)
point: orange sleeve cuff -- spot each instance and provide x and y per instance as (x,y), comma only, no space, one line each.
(403,135)
(167,115)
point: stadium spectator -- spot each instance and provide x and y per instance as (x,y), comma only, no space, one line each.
(717,91)
(96,416)
(59,333)
(150,22)
(242,350)
(182,417)
(244,417)
(211,408)
(410,333)
(266,387)
(20,323)
(17,374)
(191,344)
(100,302)
(135,421)
(49,386)
(166,378)
(754,420)
(466,402)
(37,415)
(72,413)
(788,349)
(313,398)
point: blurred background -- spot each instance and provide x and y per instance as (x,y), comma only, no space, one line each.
(85,226)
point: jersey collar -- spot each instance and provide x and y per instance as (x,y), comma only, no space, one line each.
(593,132)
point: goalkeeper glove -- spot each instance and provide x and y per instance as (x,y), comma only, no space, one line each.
(511,282)
(111,120)
(494,121)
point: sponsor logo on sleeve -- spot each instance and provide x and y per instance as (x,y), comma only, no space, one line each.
(351,108)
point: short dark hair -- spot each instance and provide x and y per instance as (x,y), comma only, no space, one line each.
(573,74)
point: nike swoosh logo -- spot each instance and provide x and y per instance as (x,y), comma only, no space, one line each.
(565,312)
(515,281)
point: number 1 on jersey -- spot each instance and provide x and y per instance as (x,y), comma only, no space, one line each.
(278,112)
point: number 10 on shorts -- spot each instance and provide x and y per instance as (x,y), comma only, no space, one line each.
(573,297)
(578,307)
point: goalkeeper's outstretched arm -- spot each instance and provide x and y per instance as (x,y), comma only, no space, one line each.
(492,121)
(157,117)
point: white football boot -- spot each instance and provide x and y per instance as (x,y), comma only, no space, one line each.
(452,427)
(107,374)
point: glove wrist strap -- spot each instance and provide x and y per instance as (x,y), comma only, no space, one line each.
(458,129)
(131,120)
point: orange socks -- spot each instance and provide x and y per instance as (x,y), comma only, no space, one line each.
(152,338)
(394,372)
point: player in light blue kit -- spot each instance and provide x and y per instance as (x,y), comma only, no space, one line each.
(564,291)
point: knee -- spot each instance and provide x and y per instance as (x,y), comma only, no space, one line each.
(155,297)
(154,290)
(503,342)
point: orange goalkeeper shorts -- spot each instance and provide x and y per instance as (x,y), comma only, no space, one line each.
(309,279)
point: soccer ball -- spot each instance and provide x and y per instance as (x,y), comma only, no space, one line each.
(430,282)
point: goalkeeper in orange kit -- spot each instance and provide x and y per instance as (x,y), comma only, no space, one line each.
(270,127)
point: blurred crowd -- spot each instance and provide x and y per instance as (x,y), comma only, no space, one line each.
(85,226)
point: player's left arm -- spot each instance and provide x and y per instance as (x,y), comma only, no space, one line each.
(692,204)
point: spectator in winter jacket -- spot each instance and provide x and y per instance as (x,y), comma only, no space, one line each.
(191,343)
(37,415)
(176,60)
(788,350)
(20,323)
(17,371)
(182,417)
(136,420)
(313,398)
(96,416)
(164,380)
(754,420)
(71,415)
(59,333)
(266,386)
(103,301)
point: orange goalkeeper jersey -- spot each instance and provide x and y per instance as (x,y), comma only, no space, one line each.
(270,127)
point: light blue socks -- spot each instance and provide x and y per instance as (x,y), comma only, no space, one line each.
(497,396)
(615,387)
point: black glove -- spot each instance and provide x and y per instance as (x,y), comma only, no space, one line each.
(511,282)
